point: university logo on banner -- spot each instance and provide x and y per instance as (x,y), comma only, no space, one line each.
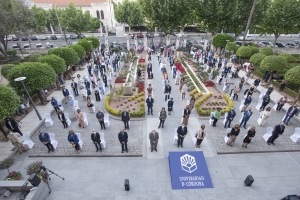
(189,170)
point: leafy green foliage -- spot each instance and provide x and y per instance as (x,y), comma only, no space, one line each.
(11,52)
(244,52)
(85,44)
(267,51)
(38,22)
(220,40)
(78,49)
(282,17)
(54,61)
(257,58)
(7,163)
(273,63)
(5,70)
(68,54)
(34,57)
(128,12)
(254,50)
(292,76)
(9,101)
(38,75)
(75,20)
(231,46)
(95,41)
(288,57)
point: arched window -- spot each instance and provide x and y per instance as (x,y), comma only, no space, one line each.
(98,14)
(102,14)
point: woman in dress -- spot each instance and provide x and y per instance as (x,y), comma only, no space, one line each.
(73,139)
(89,104)
(80,118)
(97,95)
(200,136)
(192,103)
(83,93)
(242,83)
(265,116)
(181,83)
(249,137)
(233,134)
(186,115)
(251,90)
(162,117)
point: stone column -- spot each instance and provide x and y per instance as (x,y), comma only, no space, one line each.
(128,43)
(184,42)
(145,43)
(135,43)
(168,40)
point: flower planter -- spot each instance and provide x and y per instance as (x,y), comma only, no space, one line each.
(127,89)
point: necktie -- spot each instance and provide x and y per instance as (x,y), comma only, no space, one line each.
(281,128)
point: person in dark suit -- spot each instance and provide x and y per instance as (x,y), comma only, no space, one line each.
(87,85)
(100,117)
(125,119)
(45,139)
(149,69)
(150,102)
(153,137)
(62,118)
(12,125)
(290,113)
(65,93)
(74,87)
(230,116)
(181,133)
(95,136)
(123,138)
(278,131)
(246,117)
(170,106)
(168,89)
(247,103)
(104,80)
(55,104)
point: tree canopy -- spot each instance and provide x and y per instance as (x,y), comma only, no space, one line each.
(288,57)
(34,57)
(38,75)
(273,63)
(78,49)
(85,44)
(292,75)
(253,50)
(282,17)
(54,61)
(75,20)
(68,54)
(5,69)
(95,41)
(9,101)
(231,46)
(220,40)
(244,52)
(128,12)
(257,58)
(267,51)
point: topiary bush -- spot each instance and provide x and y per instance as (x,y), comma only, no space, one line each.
(268,51)
(5,70)
(11,52)
(34,57)
(287,56)
(244,52)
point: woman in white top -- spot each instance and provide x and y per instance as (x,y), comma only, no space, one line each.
(200,136)
(265,116)
(83,93)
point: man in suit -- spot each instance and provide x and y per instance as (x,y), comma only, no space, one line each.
(62,118)
(104,80)
(153,137)
(87,85)
(74,87)
(149,69)
(246,117)
(247,103)
(230,116)
(170,106)
(278,131)
(100,117)
(150,102)
(181,133)
(65,93)
(45,139)
(125,119)
(167,90)
(123,138)
(95,136)
(270,90)
(290,113)
(12,125)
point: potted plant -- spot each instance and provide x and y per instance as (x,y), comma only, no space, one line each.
(35,168)
(7,163)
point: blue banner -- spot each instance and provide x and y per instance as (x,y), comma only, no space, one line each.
(188,170)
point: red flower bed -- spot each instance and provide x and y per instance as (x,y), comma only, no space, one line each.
(141,60)
(180,67)
(209,84)
(119,80)
(141,87)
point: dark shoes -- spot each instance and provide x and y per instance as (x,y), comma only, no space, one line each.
(97,150)
(156,150)
(49,151)
(127,151)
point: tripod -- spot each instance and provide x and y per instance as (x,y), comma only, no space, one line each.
(49,172)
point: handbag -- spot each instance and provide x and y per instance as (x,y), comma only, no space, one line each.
(212,117)
(73,145)
(228,134)
(79,124)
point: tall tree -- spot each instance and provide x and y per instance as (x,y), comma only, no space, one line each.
(128,12)
(39,21)
(282,17)
(292,76)
(75,20)
(167,15)
(14,16)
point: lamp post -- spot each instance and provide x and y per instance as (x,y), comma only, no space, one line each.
(21,79)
